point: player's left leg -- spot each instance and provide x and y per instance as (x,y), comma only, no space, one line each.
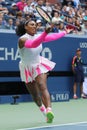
(42,84)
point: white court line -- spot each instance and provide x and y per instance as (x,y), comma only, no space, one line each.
(81,125)
(33,128)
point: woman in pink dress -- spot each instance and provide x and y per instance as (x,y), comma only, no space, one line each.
(33,67)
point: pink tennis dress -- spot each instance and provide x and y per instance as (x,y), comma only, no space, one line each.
(32,64)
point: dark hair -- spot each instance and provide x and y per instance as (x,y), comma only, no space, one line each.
(20,30)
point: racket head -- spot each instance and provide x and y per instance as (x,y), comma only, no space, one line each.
(43,14)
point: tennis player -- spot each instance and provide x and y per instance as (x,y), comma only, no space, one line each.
(33,67)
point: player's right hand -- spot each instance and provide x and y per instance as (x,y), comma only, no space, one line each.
(48,29)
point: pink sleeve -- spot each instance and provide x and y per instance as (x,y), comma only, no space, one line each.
(36,42)
(54,36)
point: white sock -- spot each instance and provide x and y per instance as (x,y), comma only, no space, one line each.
(48,109)
(43,109)
(74,94)
(82,94)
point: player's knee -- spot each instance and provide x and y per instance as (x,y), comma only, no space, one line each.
(41,84)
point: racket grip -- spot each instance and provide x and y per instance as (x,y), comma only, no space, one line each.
(48,25)
(48,28)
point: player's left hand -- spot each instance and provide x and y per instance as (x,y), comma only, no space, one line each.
(68,30)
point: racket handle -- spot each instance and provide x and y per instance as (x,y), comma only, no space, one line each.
(48,28)
(48,25)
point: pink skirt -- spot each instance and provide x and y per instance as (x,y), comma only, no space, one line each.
(30,72)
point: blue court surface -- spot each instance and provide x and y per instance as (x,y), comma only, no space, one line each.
(70,126)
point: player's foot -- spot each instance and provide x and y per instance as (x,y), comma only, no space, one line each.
(75,97)
(50,115)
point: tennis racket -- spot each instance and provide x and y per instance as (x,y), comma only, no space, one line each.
(47,18)
(43,14)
